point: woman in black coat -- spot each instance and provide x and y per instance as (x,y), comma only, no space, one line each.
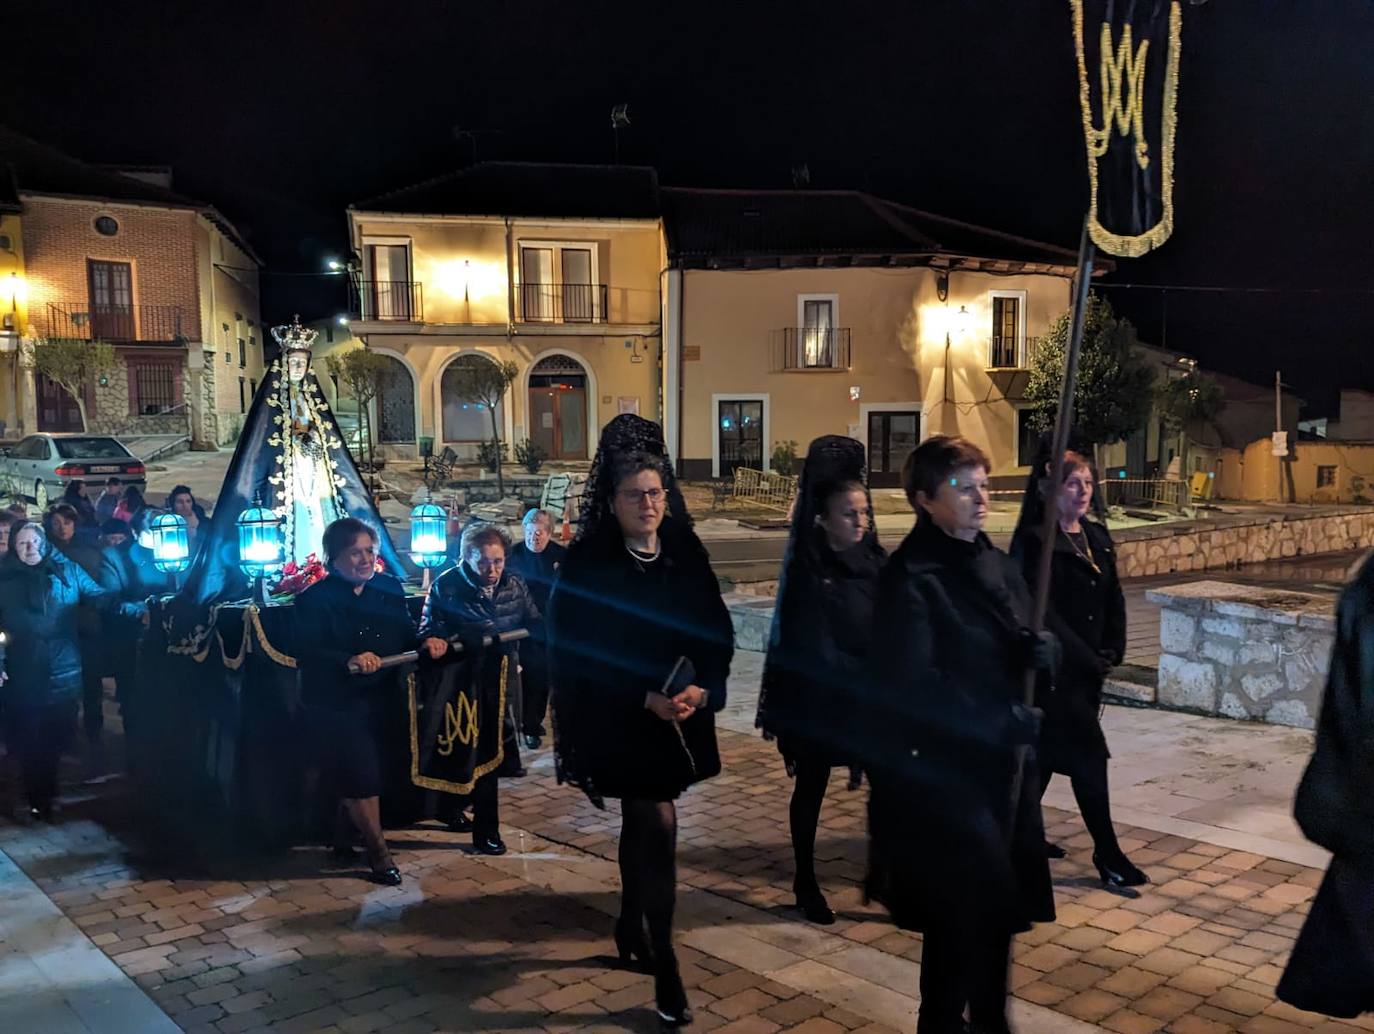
(345,624)
(950,856)
(641,645)
(1087,614)
(1331,969)
(481,597)
(818,649)
(40,595)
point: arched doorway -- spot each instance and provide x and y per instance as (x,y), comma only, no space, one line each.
(395,403)
(463,420)
(558,407)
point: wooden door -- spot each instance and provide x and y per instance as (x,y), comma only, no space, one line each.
(111,286)
(892,436)
(740,435)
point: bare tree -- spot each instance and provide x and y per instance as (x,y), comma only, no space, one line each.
(71,363)
(484,382)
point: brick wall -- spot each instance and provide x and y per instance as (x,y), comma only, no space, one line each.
(160,245)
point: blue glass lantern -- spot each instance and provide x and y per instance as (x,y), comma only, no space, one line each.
(260,542)
(171,548)
(428,535)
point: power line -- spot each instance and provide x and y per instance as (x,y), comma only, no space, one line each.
(1217,289)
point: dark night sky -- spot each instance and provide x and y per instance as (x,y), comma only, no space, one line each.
(280,114)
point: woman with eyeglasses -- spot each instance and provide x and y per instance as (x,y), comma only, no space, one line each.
(641,645)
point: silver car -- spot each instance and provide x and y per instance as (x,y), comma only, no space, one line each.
(39,466)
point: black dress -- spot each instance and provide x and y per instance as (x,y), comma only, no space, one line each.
(816,665)
(539,571)
(1331,969)
(347,713)
(617,627)
(941,728)
(1088,616)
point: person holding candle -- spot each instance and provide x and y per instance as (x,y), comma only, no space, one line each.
(345,623)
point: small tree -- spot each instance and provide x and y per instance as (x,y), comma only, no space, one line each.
(71,363)
(484,382)
(1113,393)
(360,371)
(1189,403)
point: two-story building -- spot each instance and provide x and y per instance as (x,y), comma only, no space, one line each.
(553,267)
(103,254)
(792,314)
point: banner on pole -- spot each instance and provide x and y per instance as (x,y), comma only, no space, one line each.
(1128,57)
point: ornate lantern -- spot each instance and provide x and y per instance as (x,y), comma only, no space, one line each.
(260,541)
(171,548)
(428,535)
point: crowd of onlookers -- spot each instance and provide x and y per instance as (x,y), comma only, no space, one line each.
(73,582)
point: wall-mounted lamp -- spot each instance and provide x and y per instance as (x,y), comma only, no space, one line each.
(942,286)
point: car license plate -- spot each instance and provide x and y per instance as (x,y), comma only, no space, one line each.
(105,470)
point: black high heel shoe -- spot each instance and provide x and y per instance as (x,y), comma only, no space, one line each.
(670,997)
(631,946)
(1119,872)
(812,904)
(1054,850)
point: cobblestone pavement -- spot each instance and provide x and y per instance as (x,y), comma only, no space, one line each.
(523,942)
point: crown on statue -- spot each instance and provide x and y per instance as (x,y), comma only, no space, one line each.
(294,337)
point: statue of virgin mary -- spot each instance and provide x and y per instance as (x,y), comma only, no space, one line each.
(291,459)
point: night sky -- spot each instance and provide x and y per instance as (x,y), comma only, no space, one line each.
(280,114)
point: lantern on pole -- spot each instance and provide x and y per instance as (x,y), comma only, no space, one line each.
(261,545)
(428,535)
(171,546)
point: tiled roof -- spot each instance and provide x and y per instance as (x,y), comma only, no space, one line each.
(530,189)
(730,228)
(30,167)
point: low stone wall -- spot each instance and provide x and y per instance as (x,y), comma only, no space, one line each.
(1228,541)
(1242,651)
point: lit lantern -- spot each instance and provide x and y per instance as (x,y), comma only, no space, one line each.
(171,548)
(260,541)
(428,535)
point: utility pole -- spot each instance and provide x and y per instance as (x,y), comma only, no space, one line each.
(1280,445)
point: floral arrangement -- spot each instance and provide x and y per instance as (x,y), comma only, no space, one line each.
(296,578)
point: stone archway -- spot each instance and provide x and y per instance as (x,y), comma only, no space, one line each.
(395,403)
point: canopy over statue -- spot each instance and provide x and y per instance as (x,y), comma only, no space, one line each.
(291,459)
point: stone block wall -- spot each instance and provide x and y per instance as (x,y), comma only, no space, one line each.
(110,414)
(1242,651)
(1222,542)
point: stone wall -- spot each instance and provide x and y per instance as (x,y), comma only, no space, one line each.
(110,414)
(1221,542)
(1242,651)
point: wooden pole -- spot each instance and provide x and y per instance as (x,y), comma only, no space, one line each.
(1063,421)
(411,656)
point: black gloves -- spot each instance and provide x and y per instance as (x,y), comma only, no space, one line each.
(1042,650)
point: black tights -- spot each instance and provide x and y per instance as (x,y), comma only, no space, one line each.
(1089,782)
(810,779)
(962,965)
(648,869)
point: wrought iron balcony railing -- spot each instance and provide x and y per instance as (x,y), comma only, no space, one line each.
(114,323)
(560,303)
(399,300)
(815,348)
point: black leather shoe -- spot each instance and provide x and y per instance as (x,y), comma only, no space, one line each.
(492,845)
(1054,850)
(519,773)
(460,823)
(1119,872)
(631,945)
(388,877)
(812,904)
(670,997)
(532,741)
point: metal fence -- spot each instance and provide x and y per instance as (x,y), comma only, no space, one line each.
(1144,492)
(775,491)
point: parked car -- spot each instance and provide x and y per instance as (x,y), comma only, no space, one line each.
(39,466)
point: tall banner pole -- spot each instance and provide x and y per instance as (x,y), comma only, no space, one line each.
(1128,61)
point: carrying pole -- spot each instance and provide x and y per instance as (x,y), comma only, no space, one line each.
(1063,421)
(411,656)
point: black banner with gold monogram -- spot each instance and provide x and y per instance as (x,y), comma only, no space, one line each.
(1128,58)
(456,711)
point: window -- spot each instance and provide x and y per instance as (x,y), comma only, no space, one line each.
(389,293)
(252,388)
(243,353)
(1006,349)
(465,421)
(558,283)
(1326,477)
(243,402)
(34,448)
(152,388)
(818,332)
(91,449)
(106,225)
(1027,438)
(228,358)
(111,293)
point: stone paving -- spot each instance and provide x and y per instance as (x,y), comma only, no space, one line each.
(523,942)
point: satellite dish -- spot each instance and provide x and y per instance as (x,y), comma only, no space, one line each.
(620,116)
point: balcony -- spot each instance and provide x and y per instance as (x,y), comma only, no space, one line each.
(1010,354)
(116,324)
(400,301)
(560,303)
(815,348)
